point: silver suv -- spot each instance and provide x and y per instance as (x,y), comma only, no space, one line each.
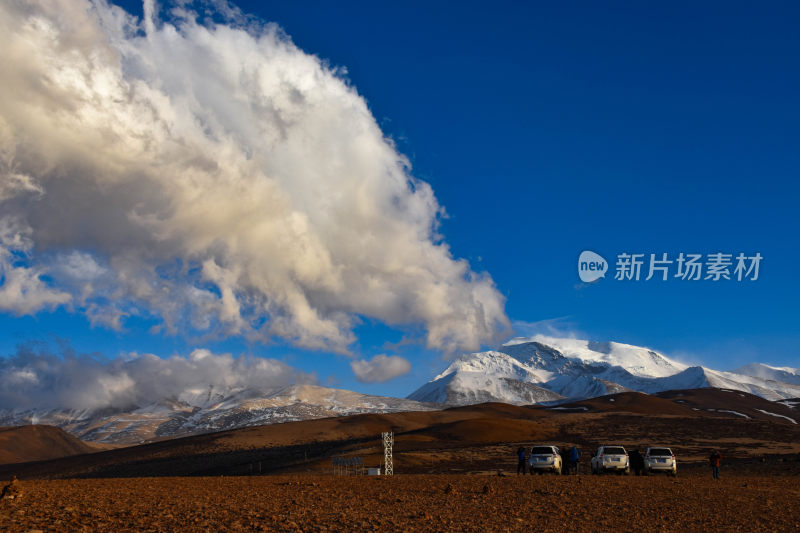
(660,459)
(611,459)
(544,458)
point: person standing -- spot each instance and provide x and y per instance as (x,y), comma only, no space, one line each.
(637,462)
(715,459)
(574,459)
(521,460)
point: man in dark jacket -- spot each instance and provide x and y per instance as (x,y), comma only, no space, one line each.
(573,459)
(521,460)
(637,462)
(715,459)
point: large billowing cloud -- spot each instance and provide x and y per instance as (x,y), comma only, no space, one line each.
(216,178)
(38,379)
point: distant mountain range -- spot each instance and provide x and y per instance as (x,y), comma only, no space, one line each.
(205,410)
(546,369)
(543,370)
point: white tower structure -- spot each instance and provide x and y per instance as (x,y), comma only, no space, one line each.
(388,442)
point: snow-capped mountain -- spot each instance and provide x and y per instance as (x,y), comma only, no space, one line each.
(545,369)
(204,410)
(491,377)
(774,373)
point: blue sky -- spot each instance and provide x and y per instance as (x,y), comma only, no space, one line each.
(546,130)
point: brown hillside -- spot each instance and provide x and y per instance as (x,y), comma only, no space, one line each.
(486,430)
(730,403)
(632,402)
(502,410)
(38,442)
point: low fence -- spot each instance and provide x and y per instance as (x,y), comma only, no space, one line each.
(348,466)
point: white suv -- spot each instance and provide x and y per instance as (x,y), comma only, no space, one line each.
(543,458)
(610,459)
(660,459)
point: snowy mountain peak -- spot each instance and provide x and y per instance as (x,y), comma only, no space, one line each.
(490,362)
(574,368)
(775,373)
(635,359)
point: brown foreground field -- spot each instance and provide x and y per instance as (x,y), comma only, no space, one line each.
(695,502)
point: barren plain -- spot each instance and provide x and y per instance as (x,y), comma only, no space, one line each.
(409,503)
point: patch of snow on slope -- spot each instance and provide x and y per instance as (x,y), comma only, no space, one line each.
(733,413)
(792,420)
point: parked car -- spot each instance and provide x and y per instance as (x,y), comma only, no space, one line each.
(660,459)
(610,459)
(545,458)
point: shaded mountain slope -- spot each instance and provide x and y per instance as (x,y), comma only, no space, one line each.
(38,442)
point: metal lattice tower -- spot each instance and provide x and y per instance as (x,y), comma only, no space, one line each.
(388,442)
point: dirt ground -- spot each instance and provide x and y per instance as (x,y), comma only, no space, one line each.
(691,502)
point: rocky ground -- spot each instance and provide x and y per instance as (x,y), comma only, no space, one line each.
(692,502)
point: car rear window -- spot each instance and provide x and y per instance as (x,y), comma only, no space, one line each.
(660,451)
(541,450)
(614,450)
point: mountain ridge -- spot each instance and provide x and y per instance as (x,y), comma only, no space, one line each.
(196,412)
(573,369)
(538,370)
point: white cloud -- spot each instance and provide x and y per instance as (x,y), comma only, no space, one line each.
(22,291)
(229,181)
(380,368)
(562,327)
(12,183)
(80,266)
(31,379)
